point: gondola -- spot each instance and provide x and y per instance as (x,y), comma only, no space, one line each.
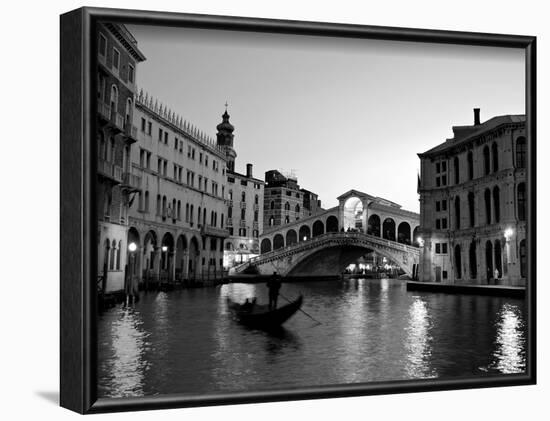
(260,316)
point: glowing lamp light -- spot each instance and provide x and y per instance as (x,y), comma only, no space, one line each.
(420,241)
(508,232)
(132,246)
(305,238)
(164,248)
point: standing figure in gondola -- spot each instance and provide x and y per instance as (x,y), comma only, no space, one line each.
(273,285)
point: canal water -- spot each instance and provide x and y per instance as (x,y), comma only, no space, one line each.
(371,330)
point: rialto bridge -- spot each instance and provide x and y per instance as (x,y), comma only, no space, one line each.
(325,243)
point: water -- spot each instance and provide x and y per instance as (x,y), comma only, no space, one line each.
(372,330)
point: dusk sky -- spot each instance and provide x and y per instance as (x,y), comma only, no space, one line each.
(341,113)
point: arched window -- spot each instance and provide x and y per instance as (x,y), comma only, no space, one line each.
(487,206)
(271,221)
(243,214)
(470,158)
(178,215)
(287,206)
(473,260)
(164,206)
(243,197)
(158,204)
(272,205)
(494,153)
(102,152)
(118,252)
(523,258)
(230,194)
(458,262)
(128,113)
(498,258)
(222,221)
(199,216)
(486,160)
(456,166)
(457,212)
(496,203)
(111,149)
(146,204)
(471,209)
(230,212)
(521,152)
(173,209)
(297,209)
(522,209)
(112,257)
(287,219)
(114,100)
(187,212)
(256,199)
(489,260)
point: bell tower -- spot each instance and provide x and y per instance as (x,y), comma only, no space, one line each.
(224,138)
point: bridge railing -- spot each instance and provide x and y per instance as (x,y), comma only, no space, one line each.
(323,238)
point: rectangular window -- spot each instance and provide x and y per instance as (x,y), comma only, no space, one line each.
(200,158)
(102,45)
(166,138)
(444,274)
(444,223)
(444,180)
(149,128)
(437,224)
(444,166)
(444,248)
(444,205)
(116,59)
(438,182)
(437,206)
(206,160)
(160,135)
(437,248)
(176,142)
(438,168)
(131,73)
(142,124)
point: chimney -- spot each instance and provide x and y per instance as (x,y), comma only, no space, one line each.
(476,117)
(249,170)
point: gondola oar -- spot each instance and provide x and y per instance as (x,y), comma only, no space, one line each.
(311,317)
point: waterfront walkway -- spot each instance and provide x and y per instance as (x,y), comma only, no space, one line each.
(500,290)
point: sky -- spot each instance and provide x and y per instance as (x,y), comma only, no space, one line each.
(341,113)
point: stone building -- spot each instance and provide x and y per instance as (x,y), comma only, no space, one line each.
(473,204)
(285,202)
(118,56)
(177,217)
(245,196)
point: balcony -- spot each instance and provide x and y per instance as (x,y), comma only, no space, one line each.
(214,232)
(230,203)
(109,170)
(130,132)
(256,207)
(131,181)
(242,223)
(229,222)
(243,205)
(255,225)
(104,112)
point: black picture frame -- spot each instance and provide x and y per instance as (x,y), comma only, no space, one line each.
(78,356)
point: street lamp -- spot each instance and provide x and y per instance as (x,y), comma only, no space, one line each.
(165,248)
(420,241)
(508,232)
(132,247)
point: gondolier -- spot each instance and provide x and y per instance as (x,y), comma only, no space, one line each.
(274,285)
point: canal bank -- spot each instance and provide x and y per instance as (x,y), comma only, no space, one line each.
(494,290)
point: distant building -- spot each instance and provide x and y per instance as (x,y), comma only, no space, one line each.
(285,202)
(178,217)
(118,56)
(473,204)
(245,196)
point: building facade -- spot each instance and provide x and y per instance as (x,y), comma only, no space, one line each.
(245,196)
(118,56)
(285,202)
(177,217)
(473,204)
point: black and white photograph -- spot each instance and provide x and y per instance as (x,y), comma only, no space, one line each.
(279,211)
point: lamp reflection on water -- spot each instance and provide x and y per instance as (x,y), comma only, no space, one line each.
(418,341)
(509,355)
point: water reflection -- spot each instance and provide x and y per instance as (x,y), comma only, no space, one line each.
(418,341)
(126,367)
(509,355)
(371,330)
